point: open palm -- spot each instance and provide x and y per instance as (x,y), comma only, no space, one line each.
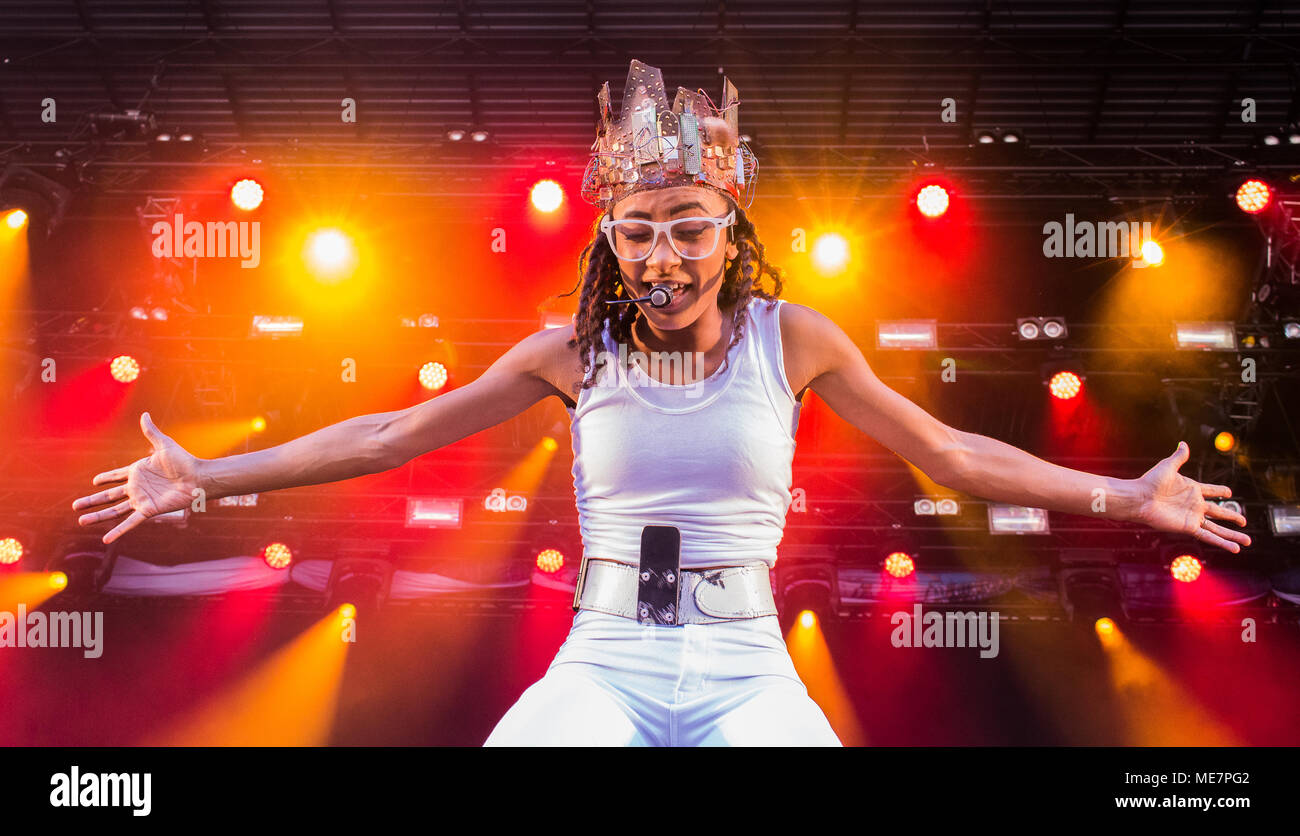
(163,481)
(1172,502)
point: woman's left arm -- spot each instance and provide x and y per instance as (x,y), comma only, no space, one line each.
(823,357)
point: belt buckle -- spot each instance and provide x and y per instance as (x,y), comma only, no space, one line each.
(577,590)
(659,577)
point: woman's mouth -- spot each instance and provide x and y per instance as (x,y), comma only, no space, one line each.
(679,290)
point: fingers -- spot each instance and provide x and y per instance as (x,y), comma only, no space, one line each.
(150,430)
(110,495)
(1225,538)
(1214,509)
(1181,455)
(113,475)
(106,514)
(1215,491)
(124,526)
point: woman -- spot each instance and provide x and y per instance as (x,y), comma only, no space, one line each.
(676,641)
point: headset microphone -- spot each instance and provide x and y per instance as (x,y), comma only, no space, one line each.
(661,295)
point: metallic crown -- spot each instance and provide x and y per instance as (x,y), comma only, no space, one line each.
(654,146)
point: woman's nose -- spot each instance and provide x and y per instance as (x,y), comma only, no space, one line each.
(663,258)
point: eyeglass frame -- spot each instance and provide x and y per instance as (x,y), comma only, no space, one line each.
(607,226)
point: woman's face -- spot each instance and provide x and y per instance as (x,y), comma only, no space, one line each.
(701,278)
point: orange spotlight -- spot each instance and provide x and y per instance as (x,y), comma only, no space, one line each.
(1064,385)
(433,375)
(1185,568)
(830,252)
(932,200)
(247,194)
(900,564)
(124,368)
(1153,254)
(1253,196)
(550,560)
(277,555)
(348,611)
(550,444)
(330,254)
(11,551)
(547,195)
(1225,442)
(807,619)
(257,424)
(16,219)
(58,580)
(1105,626)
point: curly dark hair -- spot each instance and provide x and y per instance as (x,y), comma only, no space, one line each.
(602,281)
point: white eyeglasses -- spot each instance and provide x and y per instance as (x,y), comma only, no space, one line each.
(690,238)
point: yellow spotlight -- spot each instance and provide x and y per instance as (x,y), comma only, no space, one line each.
(1225,441)
(547,195)
(807,619)
(1105,626)
(348,611)
(258,424)
(433,375)
(330,254)
(550,560)
(17,219)
(1152,253)
(277,555)
(550,444)
(11,551)
(830,253)
(124,368)
(247,194)
(58,580)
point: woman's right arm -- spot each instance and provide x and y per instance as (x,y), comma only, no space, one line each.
(382,441)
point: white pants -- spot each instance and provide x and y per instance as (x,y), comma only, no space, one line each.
(615,682)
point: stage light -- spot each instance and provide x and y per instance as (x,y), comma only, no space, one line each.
(830,252)
(1284,520)
(11,551)
(947,507)
(1272,139)
(433,375)
(546,195)
(1185,568)
(1225,442)
(58,580)
(807,619)
(139,313)
(1041,328)
(900,564)
(550,560)
(932,200)
(1291,330)
(1205,335)
(1011,137)
(348,611)
(276,326)
(479,136)
(1153,254)
(1017,519)
(455,135)
(1064,385)
(16,219)
(433,512)
(158,314)
(986,137)
(330,254)
(1105,626)
(124,368)
(923,507)
(1253,196)
(904,334)
(258,424)
(550,444)
(247,194)
(277,555)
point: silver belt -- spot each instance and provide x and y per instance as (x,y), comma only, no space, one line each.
(707,595)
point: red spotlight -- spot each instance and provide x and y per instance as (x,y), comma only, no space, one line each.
(247,194)
(550,560)
(124,368)
(11,551)
(900,564)
(932,200)
(277,555)
(1254,196)
(1064,385)
(1185,568)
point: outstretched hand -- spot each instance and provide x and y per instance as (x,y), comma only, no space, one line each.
(1172,502)
(163,481)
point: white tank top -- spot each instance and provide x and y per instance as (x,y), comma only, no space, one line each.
(711,458)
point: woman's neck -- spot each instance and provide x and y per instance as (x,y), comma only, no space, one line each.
(709,335)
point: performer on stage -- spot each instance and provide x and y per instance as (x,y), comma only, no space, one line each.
(682,470)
